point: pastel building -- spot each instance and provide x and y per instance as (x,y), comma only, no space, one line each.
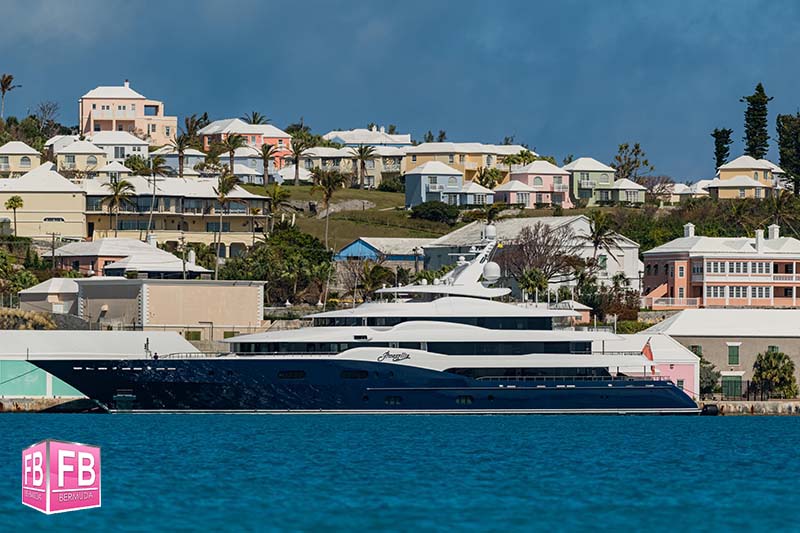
(373,136)
(81,156)
(120,108)
(254,135)
(433,181)
(191,158)
(18,158)
(696,271)
(745,177)
(467,158)
(549,184)
(588,178)
(119,145)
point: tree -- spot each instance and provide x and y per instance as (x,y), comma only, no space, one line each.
(254,117)
(630,161)
(180,144)
(428,138)
(362,154)
(226,183)
(436,212)
(569,158)
(6,86)
(47,113)
(552,252)
(232,142)
(511,160)
(300,143)
(327,182)
(709,377)
(773,372)
(391,129)
(602,237)
(532,281)
(14,203)
(267,153)
(658,187)
(788,127)
(508,140)
(279,199)
(756,136)
(722,145)
(374,276)
(489,177)
(139,165)
(156,167)
(192,126)
(119,194)
(441,137)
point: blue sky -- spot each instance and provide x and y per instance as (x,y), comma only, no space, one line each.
(564,77)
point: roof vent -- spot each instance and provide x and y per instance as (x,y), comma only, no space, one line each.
(759,240)
(127,84)
(688,230)
(774,232)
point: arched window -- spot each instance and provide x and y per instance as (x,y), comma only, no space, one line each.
(25,161)
(537,181)
(603,178)
(91,160)
(452,181)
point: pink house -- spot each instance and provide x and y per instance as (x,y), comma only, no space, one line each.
(549,183)
(254,135)
(515,192)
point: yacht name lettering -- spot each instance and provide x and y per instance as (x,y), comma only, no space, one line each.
(393,356)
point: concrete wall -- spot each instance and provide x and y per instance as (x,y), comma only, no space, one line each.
(122,301)
(39,206)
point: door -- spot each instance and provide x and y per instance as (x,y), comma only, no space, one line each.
(731,387)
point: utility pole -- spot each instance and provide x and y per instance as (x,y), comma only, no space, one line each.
(53,249)
(183,253)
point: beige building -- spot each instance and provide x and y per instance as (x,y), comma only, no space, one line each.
(200,310)
(387,161)
(51,204)
(56,295)
(745,177)
(17,158)
(465,157)
(81,157)
(120,108)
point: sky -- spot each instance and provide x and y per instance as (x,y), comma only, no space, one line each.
(564,77)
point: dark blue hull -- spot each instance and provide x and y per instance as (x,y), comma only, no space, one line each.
(328,385)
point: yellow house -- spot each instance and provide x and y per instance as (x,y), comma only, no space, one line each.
(51,204)
(745,177)
(466,157)
(17,158)
(81,156)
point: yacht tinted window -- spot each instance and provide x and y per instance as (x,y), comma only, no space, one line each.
(354,374)
(292,374)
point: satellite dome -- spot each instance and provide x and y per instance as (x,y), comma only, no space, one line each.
(490,232)
(491,271)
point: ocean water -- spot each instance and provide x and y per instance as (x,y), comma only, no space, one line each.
(421,473)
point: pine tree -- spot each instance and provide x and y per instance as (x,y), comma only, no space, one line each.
(428,138)
(722,145)
(788,127)
(756,137)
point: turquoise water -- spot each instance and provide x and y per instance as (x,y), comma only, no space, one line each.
(426,473)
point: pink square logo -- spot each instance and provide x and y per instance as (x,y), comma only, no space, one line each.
(61,476)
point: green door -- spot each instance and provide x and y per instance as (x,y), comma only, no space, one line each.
(731,387)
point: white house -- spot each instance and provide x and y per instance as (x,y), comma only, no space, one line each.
(118,145)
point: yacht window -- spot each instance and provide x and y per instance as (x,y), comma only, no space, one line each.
(291,374)
(393,400)
(354,374)
(464,400)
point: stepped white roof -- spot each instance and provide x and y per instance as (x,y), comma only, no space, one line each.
(43,178)
(775,168)
(113,91)
(698,188)
(115,166)
(735,182)
(395,245)
(746,162)
(328,151)
(665,348)
(169,150)
(237,125)
(53,286)
(731,323)
(287,174)
(678,188)
(176,187)
(155,260)
(540,167)
(514,186)
(101,138)
(109,247)
(368,137)
(436,168)
(465,148)
(625,184)
(81,147)
(17,148)
(587,164)
(473,187)
(727,246)
(243,170)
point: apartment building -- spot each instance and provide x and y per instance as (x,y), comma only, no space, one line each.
(696,271)
(387,161)
(81,156)
(591,180)
(537,184)
(120,108)
(436,182)
(373,136)
(745,177)
(467,158)
(119,145)
(18,158)
(254,135)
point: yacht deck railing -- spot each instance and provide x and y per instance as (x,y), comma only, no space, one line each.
(573,378)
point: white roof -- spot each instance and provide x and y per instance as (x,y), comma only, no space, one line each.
(775,168)
(730,246)
(627,185)
(747,162)
(665,348)
(43,178)
(237,125)
(17,148)
(89,344)
(102,138)
(56,138)
(514,186)
(328,151)
(539,167)
(390,151)
(587,164)
(571,304)
(110,247)
(678,188)
(81,147)
(465,148)
(169,150)
(731,323)
(734,183)
(243,170)
(115,166)
(368,137)
(395,245)
(473,187)
(434,167)
(154,260)
(53,286)
(287,174)
(698,188)
(112,91)
(175,187)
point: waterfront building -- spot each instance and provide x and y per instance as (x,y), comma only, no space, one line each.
(55,295)
(368,137)
(588,178)
(623,259)
(18,158)
(467,158)
(697,271)
(744,177)
(731,339)
(51,205)
(81,157)
(119,145)
(392,252)
(546,185)
(254,135)
(120,108)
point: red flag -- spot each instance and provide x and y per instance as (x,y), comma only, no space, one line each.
(647,351)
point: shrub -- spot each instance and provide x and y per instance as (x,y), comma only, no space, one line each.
(392,184)
(436,212)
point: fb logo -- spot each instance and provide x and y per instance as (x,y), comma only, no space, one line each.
(61,476)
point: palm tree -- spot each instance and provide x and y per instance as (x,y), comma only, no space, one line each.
(532,281)
(254,117)
(601,236)
(231,143)
(226,183)
(180,144)
(267,154)
(511,160)
(157,166)
(362,154)
(781,208)
(119,194)
(327,182)
(279,198)
(526,157)
(6,86)
(192,125)
(254,212)
(488,177)
(300,144)
(14,203)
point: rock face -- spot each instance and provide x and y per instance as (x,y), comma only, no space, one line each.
(347,205)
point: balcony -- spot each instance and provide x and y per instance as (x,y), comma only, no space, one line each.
(468,166)
(435,187)
(669,303)
(390,167)
(745,278)
(587,184)
(560,187)
(4,166)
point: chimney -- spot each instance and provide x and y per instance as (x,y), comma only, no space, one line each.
(127,84)
(688,230)
(759,240)
(151,240)
(383,130)
(774,232)
(191,257)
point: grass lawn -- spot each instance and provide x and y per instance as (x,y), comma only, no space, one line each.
(382,200)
